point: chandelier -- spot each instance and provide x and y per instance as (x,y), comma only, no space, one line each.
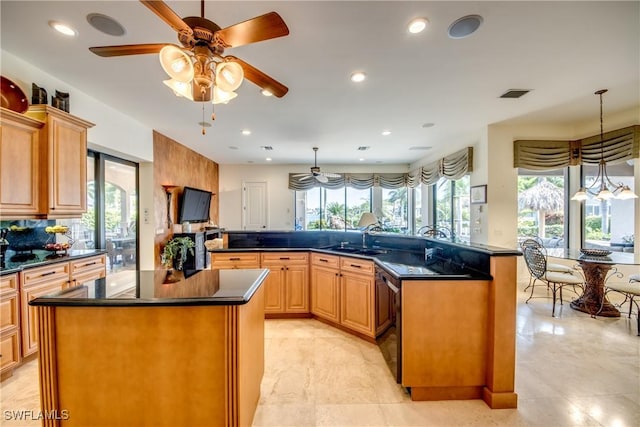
(602,181)
(199,75)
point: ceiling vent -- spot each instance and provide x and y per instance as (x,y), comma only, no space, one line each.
(419,148)
(266,147)
(105,24)
(515,93)
(363,148)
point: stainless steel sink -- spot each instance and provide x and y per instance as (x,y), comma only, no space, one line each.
(358,251)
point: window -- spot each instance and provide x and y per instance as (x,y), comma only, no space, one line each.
(395,212)
(541,206)
(609,223)
(452,206)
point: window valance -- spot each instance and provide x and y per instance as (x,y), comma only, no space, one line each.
(618,145)
(454,166)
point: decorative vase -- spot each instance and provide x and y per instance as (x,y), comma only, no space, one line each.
(171,276)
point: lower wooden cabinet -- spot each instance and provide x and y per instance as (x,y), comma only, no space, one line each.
(86,269)
(287,286)
(343,292)
(235,260)
(10,354)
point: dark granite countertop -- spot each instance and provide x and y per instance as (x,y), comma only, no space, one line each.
(204,287)
(16,262)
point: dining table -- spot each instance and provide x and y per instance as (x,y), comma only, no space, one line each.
(597,270)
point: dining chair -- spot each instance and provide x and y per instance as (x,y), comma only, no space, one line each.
(536,261)
(630,291)
(559,268)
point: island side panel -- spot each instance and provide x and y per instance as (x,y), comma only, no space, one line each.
(250,356)
(444,338)
(123,366)
(501,362)
(47,365)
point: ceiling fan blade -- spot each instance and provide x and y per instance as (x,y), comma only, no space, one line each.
(321,178)
(165,13)
(264,27)
(259,78)
(127,49)
(330,174)
(305,177)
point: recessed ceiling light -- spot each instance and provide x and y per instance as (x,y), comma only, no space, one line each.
(417,25)
(268,159)
(465,26)
(63,28)
(105,24)
(246,132)
(358,77)
(428,125)
(361,159)
(266,92)
(386,132)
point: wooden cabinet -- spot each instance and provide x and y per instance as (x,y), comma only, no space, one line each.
(384,306)
(20,166)
(357,295)
(10,354)
(36,282)
(86,269)
(63,162)
(343,292)
(235,260)
(287,286)
(325,287)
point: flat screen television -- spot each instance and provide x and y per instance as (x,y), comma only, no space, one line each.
(194,206)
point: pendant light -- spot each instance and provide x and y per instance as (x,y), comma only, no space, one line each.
(602,181)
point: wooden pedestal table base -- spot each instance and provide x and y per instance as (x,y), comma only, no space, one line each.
(593,301)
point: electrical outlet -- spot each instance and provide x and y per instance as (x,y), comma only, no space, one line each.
(428,254)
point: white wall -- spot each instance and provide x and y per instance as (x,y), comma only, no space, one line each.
(280,204)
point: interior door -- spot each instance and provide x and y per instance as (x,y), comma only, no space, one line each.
(254,206)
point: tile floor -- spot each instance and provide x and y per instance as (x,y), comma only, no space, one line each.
(571,371)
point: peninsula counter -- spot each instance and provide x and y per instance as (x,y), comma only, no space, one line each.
(189,352)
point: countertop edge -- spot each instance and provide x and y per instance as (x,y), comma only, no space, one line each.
(69,257)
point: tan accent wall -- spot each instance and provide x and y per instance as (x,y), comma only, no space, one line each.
(175,164)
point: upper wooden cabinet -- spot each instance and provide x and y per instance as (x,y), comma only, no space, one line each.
(19,164)
(63,149)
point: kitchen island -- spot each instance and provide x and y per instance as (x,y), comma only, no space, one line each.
(185,352)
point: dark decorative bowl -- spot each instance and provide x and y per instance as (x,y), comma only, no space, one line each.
(595,252)
(12,96)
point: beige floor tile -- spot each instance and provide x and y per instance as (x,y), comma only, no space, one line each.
(285,415)
(350,415)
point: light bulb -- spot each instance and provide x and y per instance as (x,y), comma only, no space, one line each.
(580,195)
(605,194)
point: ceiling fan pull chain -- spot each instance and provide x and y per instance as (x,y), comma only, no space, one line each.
(203,130)
(213,112)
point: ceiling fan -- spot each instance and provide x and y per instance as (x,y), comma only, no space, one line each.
(315,171)
(198,69)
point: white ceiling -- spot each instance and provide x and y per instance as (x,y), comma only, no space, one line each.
(563,51)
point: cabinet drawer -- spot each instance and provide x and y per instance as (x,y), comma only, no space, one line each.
(285,257)
(356,265)
(50,273)
(323,260)
(10,348)
(88,266)
(9,283)
(235,260)
(9,313)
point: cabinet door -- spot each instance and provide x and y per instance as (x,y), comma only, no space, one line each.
(10,348)
(19,165)
(324,293)
(68,167)
(28,319)
(357,302)
(296,292)
(274,289)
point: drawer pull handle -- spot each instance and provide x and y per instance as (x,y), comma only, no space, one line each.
(49,273)
(90,263)
(356,266)
(323,260)
(284,258)
(234,259)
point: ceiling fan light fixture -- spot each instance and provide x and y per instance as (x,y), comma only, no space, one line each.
(229,76)
(180,88)
(176,63)
(417,25)
(63,28)
(266,92)
(358,77)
